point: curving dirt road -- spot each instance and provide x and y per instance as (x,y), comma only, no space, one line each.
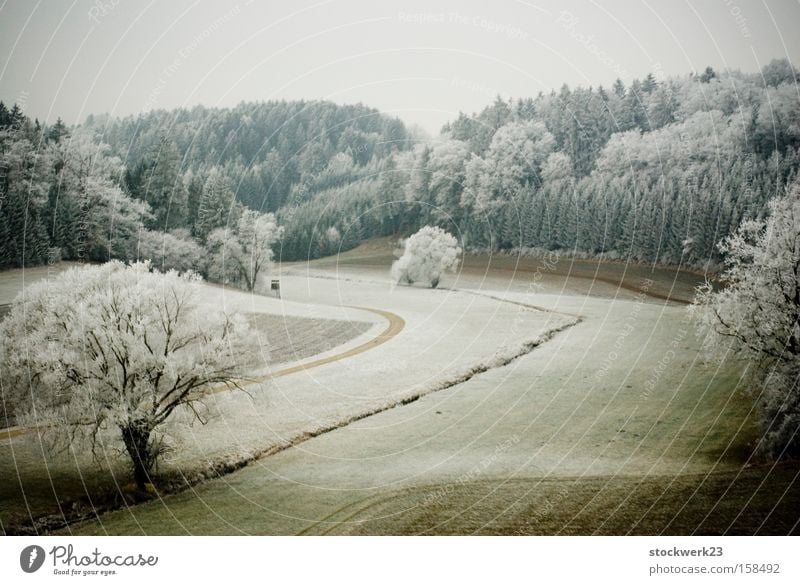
(564,439)
(396,325)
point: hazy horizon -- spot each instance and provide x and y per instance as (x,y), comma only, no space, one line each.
(422,63)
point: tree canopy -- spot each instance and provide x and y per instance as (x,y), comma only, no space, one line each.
(756,314)
(118,348)
(656,170)
(426,256)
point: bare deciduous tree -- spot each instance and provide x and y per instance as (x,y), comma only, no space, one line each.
(242,257)
(114,347)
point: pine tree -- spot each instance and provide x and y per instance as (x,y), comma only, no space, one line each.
(707,75)
(217,207)
(164,188)
(58,131)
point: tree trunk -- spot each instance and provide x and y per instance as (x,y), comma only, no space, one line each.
(136,437)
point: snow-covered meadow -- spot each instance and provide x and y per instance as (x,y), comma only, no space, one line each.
(616,412)
(440,338)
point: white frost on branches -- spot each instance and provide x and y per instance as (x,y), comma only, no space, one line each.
(242,258)
(175,250)
(757,315)
(114,347)
(426,256)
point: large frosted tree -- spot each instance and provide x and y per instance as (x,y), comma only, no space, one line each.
(427,255)
(757,315)
(113,348)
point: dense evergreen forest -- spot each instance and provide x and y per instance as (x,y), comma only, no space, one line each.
(658,171)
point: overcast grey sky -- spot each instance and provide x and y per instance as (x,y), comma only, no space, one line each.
(421,60)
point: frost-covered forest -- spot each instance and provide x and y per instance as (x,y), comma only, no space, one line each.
(656,170)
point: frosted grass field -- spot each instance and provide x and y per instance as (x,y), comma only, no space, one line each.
(615,425)
(530,399)
(445,336)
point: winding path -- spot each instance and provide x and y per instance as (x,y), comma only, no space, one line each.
(396,325)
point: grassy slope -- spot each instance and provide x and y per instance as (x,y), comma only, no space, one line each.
(39,486)
(288,408)
(587,434)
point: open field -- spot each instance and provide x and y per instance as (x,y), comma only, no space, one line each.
(617,424)
(51,488)
(547,416)
(510,402)
(752,501)
(13,281)
(277,412)
(573,276)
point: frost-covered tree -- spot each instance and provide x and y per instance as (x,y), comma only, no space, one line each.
(24,188)
(243,257)
(511,164)
(166,251)
(558,166)
(166,191)
(427,255)
(113,348)
(757,314)
(96,217)
(330,241)
(447,166)
(779,71)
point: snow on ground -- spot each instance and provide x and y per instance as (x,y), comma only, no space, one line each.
(447,335)
(13,281)
(291,333)
(285,339)
(623,394)
(287,332)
